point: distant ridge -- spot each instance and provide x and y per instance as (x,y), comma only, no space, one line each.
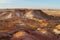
(38,13)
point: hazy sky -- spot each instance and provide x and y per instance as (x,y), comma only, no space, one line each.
(55,4)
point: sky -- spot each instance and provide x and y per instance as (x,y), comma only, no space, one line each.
(50,4)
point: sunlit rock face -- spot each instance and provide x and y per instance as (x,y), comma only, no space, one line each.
(29,15)
(5,16)
(57,29)
(23,36)
(28,24)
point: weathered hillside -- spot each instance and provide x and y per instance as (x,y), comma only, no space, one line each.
(28,24)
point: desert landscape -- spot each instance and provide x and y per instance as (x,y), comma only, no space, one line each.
(29,24)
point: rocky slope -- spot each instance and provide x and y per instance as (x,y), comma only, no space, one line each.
(28,24)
